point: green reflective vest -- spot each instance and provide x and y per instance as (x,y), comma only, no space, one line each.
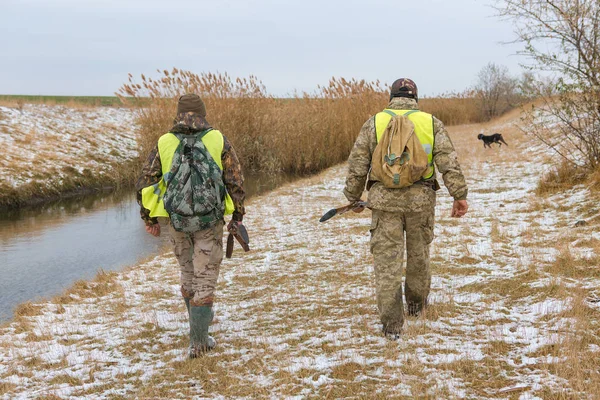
(152,196)
(423,129)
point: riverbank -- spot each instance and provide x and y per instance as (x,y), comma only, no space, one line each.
(513,312)
(54,151)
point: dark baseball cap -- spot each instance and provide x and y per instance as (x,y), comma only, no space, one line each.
(404,87)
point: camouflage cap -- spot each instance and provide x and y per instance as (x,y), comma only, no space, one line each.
(191,103)
(404,87)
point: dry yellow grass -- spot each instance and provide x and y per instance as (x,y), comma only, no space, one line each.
(302,134)
(454,109)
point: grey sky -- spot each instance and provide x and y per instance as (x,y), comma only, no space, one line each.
(87,47)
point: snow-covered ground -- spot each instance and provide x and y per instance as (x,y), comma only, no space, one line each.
(44,144)
(512,315)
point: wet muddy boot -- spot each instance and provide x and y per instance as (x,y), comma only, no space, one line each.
(200,319)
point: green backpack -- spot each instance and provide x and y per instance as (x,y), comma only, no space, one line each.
(195,195)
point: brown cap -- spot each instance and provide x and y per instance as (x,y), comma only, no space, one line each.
(404,87)
(191,103)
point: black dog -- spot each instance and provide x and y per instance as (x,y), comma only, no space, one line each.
(489,139)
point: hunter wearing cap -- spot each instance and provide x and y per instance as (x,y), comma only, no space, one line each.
(409,211)
(195,214)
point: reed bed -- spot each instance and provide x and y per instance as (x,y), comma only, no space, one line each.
(455,108)
(299,135)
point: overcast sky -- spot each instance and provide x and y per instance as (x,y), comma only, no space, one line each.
(87,47)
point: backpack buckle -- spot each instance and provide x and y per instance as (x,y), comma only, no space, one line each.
(390,159)
(404,158)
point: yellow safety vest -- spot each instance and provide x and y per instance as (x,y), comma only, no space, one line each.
(423,129)
(152,196)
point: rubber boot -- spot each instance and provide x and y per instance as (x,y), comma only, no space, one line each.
(200,319)
(187,304)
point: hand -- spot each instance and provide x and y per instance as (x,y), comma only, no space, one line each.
(459,208)
(154,230)
(358,209)
(232,226)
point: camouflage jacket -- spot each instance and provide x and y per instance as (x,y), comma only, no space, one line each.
(189,123)
(413,198)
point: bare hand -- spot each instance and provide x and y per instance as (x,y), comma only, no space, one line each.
(459,208)
(358,209)
(154,230)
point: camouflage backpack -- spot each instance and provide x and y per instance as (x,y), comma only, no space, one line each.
(399,159)
(195,195)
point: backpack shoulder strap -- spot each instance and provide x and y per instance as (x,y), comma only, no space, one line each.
(203,133)
(406,114)
(375,118)
(195,136)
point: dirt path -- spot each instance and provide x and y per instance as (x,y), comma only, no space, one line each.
(511,315)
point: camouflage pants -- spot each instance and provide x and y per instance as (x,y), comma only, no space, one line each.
(387,247)
(199,255)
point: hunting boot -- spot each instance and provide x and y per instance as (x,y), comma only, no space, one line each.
(187,304)
(392,335)
(187,296)
(415,308)
(200,319)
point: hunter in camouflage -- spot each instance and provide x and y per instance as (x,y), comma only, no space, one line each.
(199,253)
(397,213)
(187,123)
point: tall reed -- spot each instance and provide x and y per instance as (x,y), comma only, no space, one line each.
(454,108)
(302,134)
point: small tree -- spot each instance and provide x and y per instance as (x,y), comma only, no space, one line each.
(563,37)
(495,89)
(527,86)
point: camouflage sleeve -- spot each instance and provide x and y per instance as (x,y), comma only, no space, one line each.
(233,178)
(359,161)
(151,174)
(446,161)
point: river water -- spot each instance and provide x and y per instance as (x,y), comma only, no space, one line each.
(45,249)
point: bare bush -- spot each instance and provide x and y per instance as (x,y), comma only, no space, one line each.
(562,37)
(496,90)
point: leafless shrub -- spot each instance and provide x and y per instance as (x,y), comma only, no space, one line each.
(496,90)
(562,37)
